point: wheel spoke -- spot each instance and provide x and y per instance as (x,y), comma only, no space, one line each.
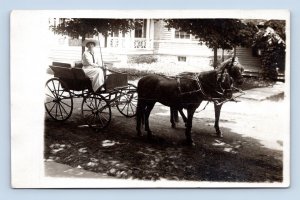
(54,87)
(66,104)
(52,107)
(56,111)
(104,117)
(90,119)
(59,106)
(50,96)
(89,106)
(58,89)
(48,102)
(100,120)
(131,107)
(91,103)
(127,109)
(99,103)
(51,91)
(86,110)
(123,108)
(96,104)
(63,109)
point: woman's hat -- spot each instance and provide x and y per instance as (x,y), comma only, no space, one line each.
(88,40)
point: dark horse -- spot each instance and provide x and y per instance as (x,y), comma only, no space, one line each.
(185,93)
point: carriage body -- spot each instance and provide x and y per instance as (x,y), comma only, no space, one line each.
(69,83)
(75,79)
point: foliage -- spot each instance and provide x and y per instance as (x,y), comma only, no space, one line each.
(76,27)
(255,82)
(271,41)
(217,33)
(82,27)
(142,59)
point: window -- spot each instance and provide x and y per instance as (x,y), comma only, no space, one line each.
(115,33)
(256,52)
(181,59)
(182,35)
(140,29)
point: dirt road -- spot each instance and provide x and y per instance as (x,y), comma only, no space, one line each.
(251,150)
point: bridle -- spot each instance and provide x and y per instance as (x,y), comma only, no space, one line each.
(223,91)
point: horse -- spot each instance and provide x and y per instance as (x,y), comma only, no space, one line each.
(185,93)
(225,90)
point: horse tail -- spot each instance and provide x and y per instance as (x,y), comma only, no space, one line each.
(140,116)
(143,118)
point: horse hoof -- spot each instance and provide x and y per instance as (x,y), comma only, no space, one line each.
(139,134)
(190,143)
(173,125)
(150,135)
(219,134)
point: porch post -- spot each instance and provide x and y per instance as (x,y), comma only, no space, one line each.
(147,33)
(151,33)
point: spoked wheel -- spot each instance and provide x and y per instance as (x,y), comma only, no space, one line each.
(96,111)
(58,102)
(128,101)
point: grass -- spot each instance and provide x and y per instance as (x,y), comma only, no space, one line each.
(249,82)
(255,82)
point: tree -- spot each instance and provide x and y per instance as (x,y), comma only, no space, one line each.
(217,33)
(270,39)
(81,27)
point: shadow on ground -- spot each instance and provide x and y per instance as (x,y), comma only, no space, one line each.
(117,152)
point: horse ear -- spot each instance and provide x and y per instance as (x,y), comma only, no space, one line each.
(231,64)
(232,61)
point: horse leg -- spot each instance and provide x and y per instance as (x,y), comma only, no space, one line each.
(172,120)
(147,114)
(188,134)
(139,116)
(182,115)
(174,117)
(217,118)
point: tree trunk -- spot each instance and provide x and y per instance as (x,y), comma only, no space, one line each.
(82,47)
(105,41)
(223,55)
(234,51)
(215,57)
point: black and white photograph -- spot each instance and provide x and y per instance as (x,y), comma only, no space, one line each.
(130,99)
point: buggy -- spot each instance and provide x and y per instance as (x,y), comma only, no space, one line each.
(69,83)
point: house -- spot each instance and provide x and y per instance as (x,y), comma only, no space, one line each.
(152,38)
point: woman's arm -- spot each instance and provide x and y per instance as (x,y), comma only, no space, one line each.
(87,60)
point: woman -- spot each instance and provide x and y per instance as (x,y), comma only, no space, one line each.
(91,66)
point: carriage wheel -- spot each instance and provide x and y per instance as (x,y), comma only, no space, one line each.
(58,102)
(96,111)
(128,101)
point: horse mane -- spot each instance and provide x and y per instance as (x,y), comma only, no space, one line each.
(224,64)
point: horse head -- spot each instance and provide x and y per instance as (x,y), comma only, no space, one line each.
(234,69)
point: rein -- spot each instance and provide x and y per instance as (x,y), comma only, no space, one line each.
(217,101)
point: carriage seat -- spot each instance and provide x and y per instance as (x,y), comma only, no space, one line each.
(73,78)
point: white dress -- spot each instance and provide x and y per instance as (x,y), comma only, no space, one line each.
(92,69)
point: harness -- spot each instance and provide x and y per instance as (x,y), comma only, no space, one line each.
(217,101)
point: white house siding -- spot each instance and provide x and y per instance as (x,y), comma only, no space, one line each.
(251,63)
(161,32)
(164,46)
(168,48)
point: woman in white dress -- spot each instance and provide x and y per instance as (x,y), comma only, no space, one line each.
(91,65)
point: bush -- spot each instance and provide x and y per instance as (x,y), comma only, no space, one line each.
(255,82)
(271,41)
(142,59)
